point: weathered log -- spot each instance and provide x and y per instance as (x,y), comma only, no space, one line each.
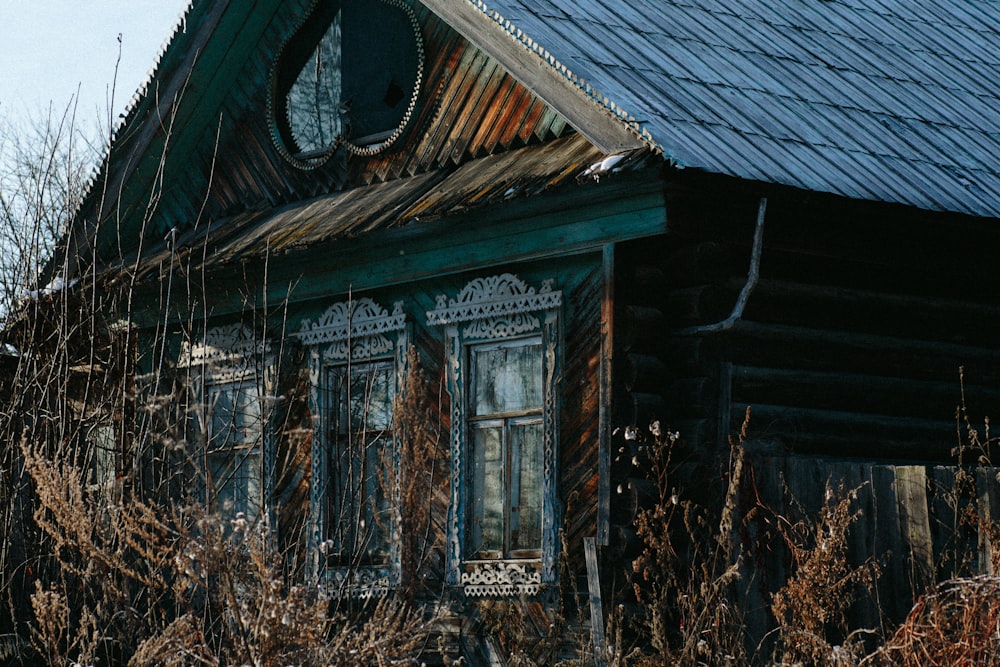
(701,263)
(644,372)
(639,328)
(702,304)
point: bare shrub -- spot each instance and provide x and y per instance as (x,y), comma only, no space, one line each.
(811,608)
(689,564)
(954,624)
(413,473)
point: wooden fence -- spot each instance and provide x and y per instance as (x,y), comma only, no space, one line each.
(918,524)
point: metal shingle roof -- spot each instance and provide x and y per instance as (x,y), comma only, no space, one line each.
(894,100)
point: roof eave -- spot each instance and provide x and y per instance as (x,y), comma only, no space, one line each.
(609,130)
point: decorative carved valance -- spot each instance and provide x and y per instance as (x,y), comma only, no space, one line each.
(227,353)
(360,325)
(360,583)
(497,307)
(501,578)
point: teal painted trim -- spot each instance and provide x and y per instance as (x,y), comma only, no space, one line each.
(427,249)
(215,72)
(453,247)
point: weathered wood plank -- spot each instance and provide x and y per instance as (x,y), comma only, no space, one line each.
(587,116)
(605,425)
(596,606)
(988,496)
(911,489)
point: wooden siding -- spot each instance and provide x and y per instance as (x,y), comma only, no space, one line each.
(580,279)
(579,428)
(469,108)
(908,526)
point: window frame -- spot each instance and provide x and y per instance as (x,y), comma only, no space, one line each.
(231,356)
(348,333)
(293,55)
(505,420)
(499,309)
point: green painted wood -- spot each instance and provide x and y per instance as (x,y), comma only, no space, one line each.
(218,63)
(427,249)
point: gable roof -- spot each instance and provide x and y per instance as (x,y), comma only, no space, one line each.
(891,100)
(886,100)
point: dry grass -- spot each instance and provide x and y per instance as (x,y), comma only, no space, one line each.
(811,608)
(955,624)
(688,567)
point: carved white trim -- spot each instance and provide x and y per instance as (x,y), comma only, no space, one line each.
(501,578)
(498,306)
(361,583)
(228,353)
(361,324)
(357,330)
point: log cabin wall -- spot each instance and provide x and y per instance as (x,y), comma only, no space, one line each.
(848,355)
(853,337)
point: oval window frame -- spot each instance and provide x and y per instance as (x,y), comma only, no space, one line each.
(312,28)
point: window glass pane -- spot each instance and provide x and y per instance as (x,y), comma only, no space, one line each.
(234,414)
(314,100)
(221,409)
(103,445)
(526,486)
(486,529)
(236,479)
(235,427)
(372,393)
(507,378)
(247,419)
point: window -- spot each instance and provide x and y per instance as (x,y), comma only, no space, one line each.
(233,449)
(505,423)
(348,77)
(228,371)
(356,355)
(502,342)
(359,419)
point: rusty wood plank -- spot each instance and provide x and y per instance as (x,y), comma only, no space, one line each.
(600,127)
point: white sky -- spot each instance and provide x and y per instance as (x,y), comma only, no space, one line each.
(51,48)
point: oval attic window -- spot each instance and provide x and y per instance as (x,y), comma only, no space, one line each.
(349,77)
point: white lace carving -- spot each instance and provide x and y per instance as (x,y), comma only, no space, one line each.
(359,323)
(501,578)
(497,306)
(227,352)
(358,583)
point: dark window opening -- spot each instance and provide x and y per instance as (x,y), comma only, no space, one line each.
(346,78)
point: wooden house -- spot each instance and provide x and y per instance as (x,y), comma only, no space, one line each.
(579,216)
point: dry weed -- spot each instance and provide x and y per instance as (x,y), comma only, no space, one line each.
(811,608)
(689,565)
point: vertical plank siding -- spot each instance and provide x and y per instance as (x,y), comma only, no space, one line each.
(906,527)
(469,108)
